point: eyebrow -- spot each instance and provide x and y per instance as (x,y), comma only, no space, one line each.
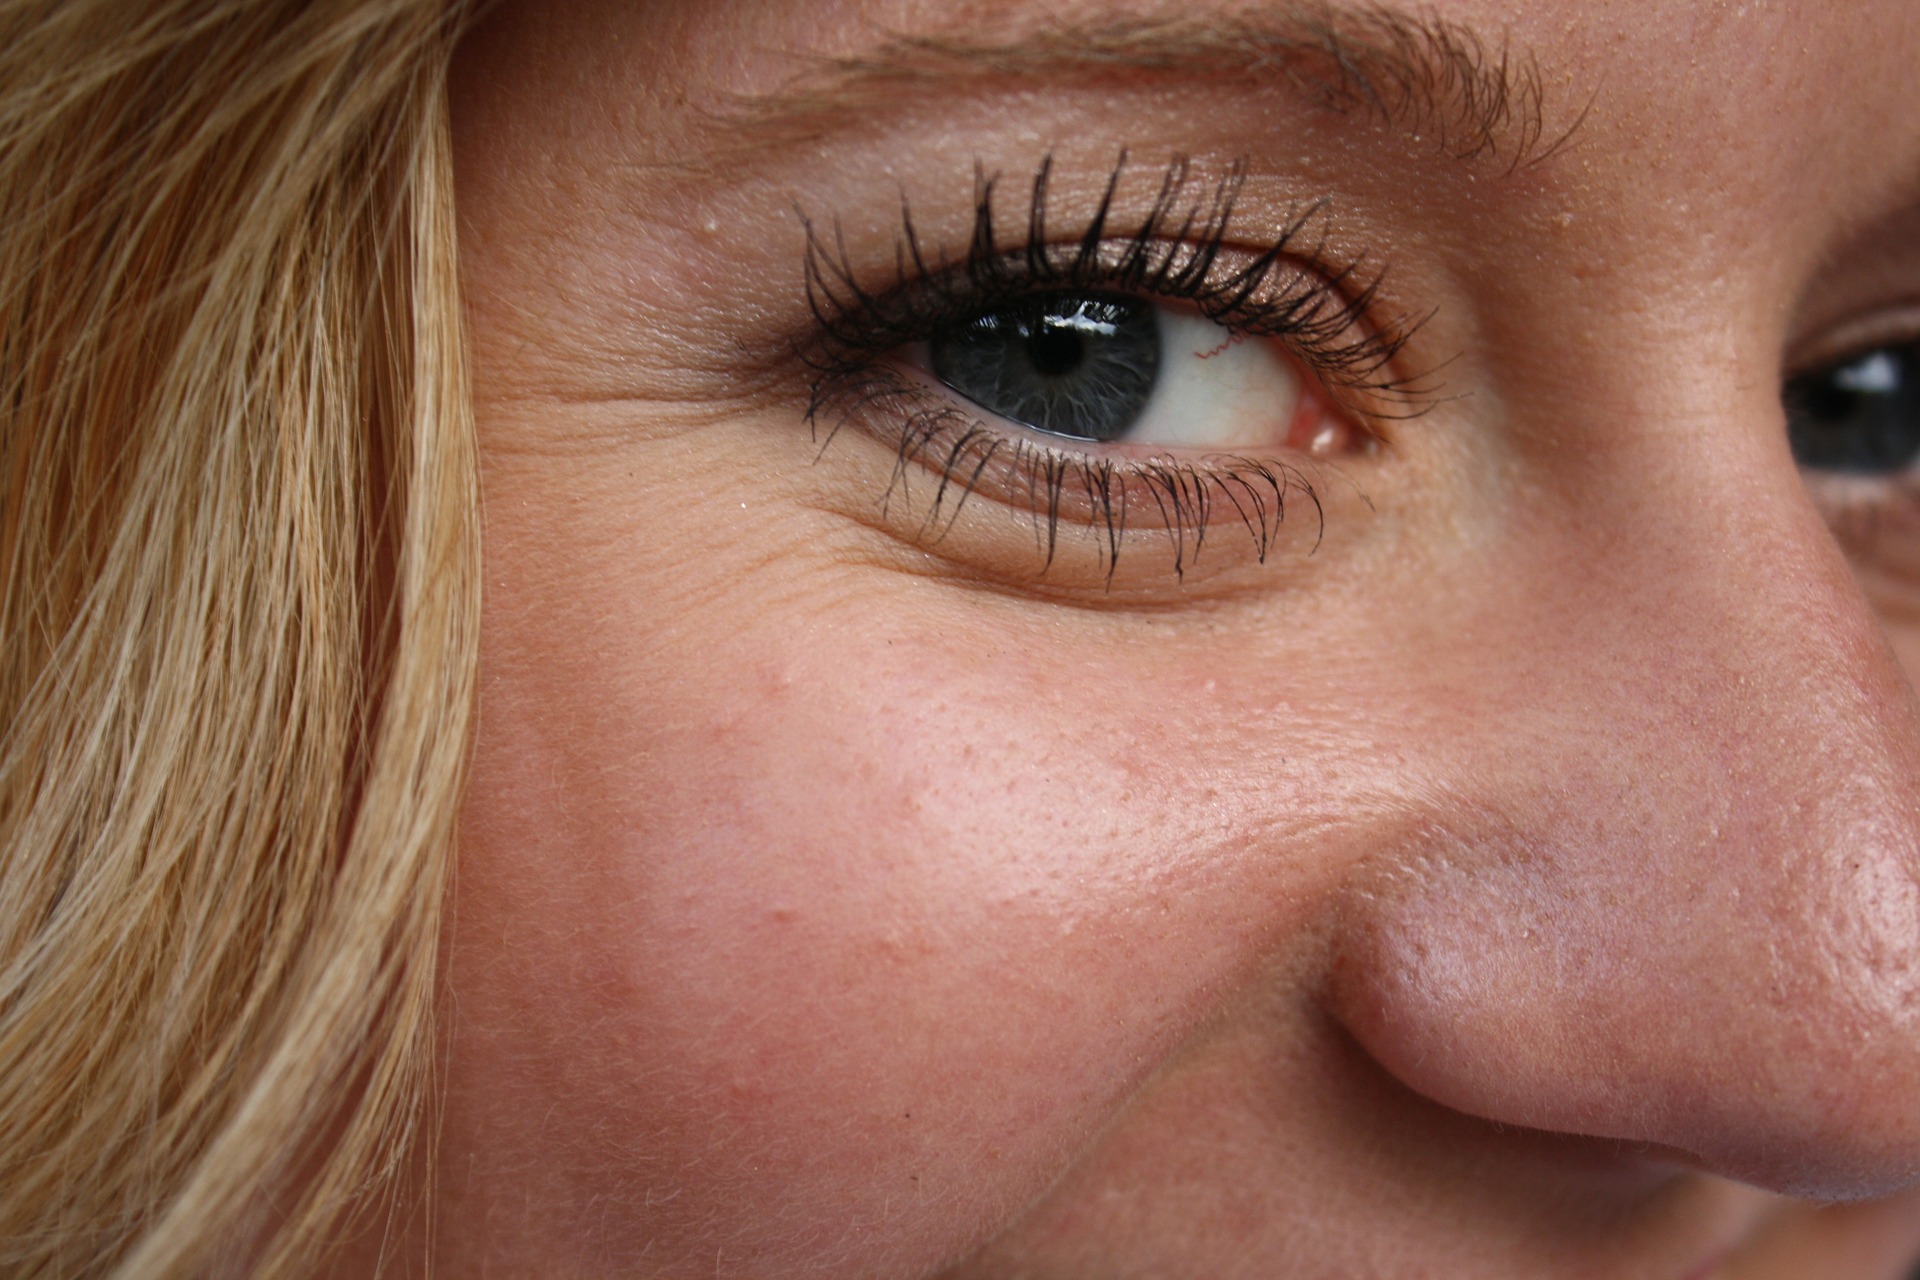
(1437,79)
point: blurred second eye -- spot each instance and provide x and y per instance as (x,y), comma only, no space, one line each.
(1110,368)
(1861,415)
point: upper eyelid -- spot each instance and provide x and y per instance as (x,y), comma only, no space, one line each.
(1856,335)
(1326,311)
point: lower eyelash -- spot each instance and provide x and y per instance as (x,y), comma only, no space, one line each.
(1868,514)
(960,454)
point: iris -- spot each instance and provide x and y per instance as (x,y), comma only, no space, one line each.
(1076,365)
(1862,415)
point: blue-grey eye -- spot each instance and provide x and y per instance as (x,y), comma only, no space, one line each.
(1081,365)
(1103,368)
(1861,415)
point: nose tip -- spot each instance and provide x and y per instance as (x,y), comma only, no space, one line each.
(1770,1033)
(1690,923)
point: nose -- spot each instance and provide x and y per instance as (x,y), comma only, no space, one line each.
(1667,887)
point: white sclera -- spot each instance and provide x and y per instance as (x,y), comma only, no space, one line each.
(1216,389)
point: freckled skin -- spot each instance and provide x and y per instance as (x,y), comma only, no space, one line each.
(1521,884)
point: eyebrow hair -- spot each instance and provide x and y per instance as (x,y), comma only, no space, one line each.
(1437,79)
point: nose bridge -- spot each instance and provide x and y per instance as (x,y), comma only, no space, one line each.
(1728,688)
(1681,906)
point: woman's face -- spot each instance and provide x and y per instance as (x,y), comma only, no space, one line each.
(1142,638)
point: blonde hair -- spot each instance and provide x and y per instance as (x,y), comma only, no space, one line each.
(238,604)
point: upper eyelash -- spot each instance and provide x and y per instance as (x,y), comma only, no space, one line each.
(1320,314)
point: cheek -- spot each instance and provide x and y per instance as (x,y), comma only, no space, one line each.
(775,912)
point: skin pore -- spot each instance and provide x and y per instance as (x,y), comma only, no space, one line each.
(1495,856)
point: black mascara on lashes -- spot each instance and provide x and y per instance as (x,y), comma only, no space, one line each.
(1289,291)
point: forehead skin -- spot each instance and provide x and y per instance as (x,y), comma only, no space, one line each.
(1463,898)
(1706,106)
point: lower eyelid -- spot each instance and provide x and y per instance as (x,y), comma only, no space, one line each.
(1876,521)
(947,457)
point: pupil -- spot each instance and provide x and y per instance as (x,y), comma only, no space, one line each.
(1860,416)
(1055,352)
(1081,365)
